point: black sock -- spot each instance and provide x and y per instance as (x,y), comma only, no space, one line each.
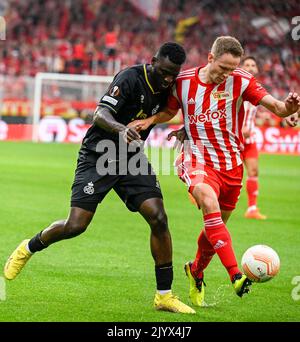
(164,276)
(35,244)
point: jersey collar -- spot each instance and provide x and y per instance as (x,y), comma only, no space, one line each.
(147,80)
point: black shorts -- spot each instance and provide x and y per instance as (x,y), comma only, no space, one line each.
(89,187)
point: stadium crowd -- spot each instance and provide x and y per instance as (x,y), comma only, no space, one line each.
(101,36)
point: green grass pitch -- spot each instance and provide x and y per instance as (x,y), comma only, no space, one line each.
(107,273)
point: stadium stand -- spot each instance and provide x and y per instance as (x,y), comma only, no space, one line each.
(100,36)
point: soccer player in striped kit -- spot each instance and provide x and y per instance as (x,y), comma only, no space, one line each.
(211,98)
(250,152)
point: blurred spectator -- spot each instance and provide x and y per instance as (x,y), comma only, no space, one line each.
(102,36)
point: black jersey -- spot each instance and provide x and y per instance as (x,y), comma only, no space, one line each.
(129,97)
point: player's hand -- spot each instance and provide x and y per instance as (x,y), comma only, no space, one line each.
(130,134)
(292,103)
(140,125)
(246,132)
(292,120)
(180,136)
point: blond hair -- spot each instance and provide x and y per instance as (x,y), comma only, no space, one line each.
(227,44)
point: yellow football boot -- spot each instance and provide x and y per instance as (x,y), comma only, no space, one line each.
(169,302)
(196,286)
(17,261)
(241,284)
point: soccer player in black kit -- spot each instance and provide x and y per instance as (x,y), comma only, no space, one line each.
(135,93)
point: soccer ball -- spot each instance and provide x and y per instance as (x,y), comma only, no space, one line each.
(260,263)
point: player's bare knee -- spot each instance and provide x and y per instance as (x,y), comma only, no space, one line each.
(73,228)
(253,172)
(159,223)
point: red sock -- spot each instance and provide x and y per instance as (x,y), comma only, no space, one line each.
(203,257)
(252,190)
(219,237)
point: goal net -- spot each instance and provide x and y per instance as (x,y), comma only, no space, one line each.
(63,105)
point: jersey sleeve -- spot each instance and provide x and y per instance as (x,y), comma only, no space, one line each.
(119,92)
(173,101)
(254,92)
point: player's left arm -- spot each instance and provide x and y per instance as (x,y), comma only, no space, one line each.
(282,108)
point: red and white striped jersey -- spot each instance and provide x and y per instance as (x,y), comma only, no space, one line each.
(249,121)
(214,115)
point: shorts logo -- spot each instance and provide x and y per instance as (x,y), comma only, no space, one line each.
(89,189)
(114,91)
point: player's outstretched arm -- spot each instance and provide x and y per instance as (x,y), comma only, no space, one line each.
(105,120)
(161,117)
(282,108)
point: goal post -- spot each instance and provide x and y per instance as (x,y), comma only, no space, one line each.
(52,91)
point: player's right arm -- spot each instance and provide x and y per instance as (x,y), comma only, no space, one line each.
(111,104)
(164,116)
(104,119)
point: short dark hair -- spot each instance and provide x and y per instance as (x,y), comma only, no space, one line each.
(249,57)
(174,51)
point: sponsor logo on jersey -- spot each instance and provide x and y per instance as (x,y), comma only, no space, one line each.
(110,100)
(114,91)
(221,95)
(208,116)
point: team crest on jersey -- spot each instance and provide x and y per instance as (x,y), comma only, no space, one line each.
(221,95)
(114,91)
(89,189)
